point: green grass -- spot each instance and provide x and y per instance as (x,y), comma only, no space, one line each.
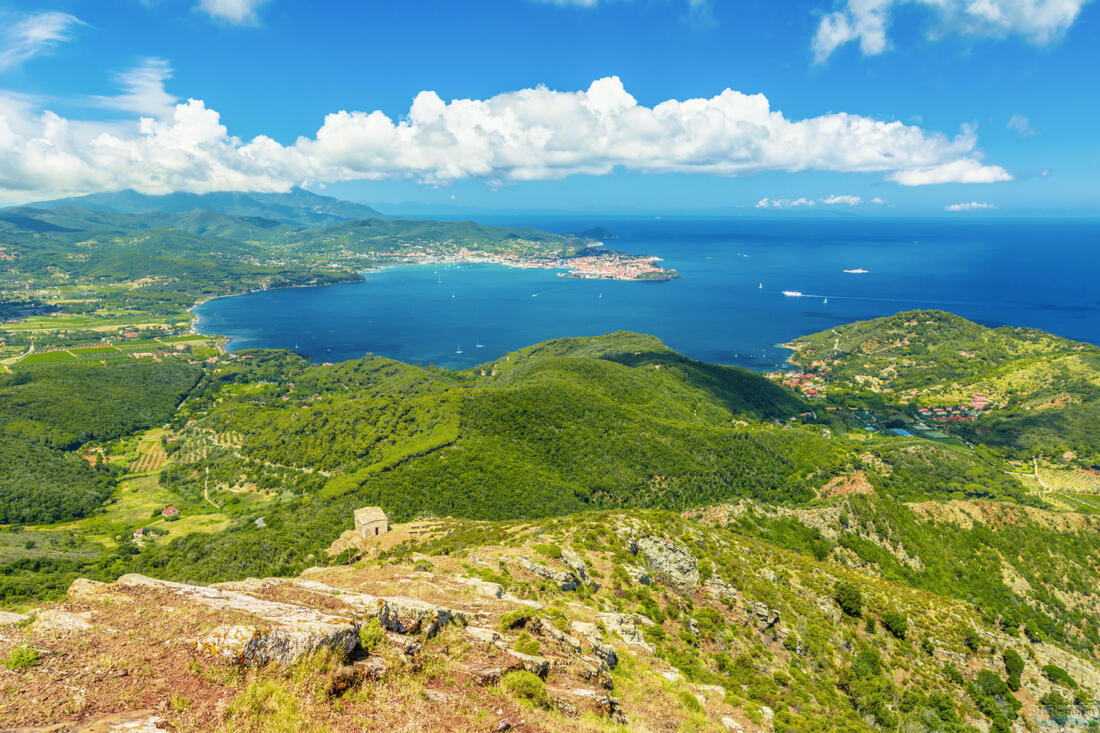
(22,657)
(46,357)
(28,544)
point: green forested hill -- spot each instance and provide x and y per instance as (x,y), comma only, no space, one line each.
(388,235)
(564,426)
(925,352)
(558,427)
(1043,390)
(49,411)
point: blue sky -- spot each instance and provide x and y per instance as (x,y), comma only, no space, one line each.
(869,107)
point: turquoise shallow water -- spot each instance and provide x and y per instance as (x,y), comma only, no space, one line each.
(728,307)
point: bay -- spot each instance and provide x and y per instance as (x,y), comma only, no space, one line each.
(728,307)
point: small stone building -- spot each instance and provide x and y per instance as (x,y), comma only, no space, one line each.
(371,521)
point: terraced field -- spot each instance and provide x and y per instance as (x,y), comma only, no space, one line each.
(1069,479)
(149,461)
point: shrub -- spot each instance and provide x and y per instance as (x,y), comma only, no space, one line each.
(849,598)
(896,623)
(267,705)
(993,697)
(370,635)
(867,663)
(526,644)
(526,686)
(951,672)
(1014,666)
(928,646)
(548,550)
(1059,676)
(22,657)
(1056,706)
(514,619)
(689,701)
(944,706)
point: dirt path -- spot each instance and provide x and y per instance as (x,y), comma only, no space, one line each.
(1035,461)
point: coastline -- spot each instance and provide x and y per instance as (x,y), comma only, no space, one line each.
(472,257)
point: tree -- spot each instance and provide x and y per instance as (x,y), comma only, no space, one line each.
(849,598)
(896,623)
(1056,706)
(1014,666)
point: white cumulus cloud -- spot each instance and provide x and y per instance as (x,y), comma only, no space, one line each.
(767,203)
(24,37)
(972,206)
(867,21)
(842,199)
(232,11)
(530,134)
(832,200)
(963,170)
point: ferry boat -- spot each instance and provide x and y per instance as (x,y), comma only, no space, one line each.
(793,293)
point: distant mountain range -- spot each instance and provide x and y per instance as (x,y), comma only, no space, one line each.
(298,207)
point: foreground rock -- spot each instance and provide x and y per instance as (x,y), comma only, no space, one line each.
(282,632)
(395,613)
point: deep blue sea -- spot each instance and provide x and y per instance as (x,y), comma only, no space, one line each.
(728,307)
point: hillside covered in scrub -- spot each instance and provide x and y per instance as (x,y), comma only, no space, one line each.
(597,621)
(802,560)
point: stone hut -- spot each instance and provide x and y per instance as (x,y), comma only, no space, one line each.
(371,521)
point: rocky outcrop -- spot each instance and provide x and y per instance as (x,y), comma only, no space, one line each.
(591,633)
(533,664)
(715,587)
(670,561)
(637,574)
(564,580)
(486,636)
(395,613)
(483,587)
(540,626)
(579,568)
(627,626)
(281,633)
(762,614)
(410,616)
(56,619)
(7,618)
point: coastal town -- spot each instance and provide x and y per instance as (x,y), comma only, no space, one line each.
(589,263)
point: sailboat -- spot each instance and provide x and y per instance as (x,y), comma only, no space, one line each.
(459,349)
(480,346)
(760,286)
